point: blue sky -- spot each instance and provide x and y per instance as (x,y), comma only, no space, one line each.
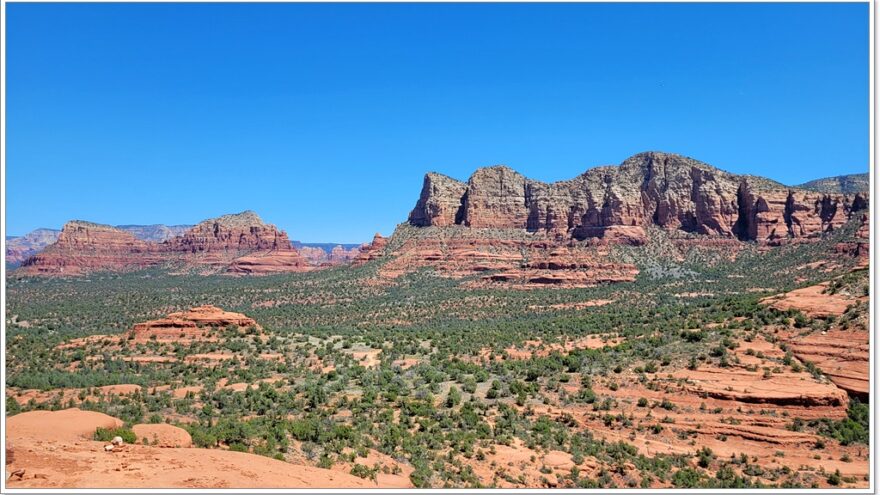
(324,118)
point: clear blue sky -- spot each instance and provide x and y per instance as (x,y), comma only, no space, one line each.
(324,118)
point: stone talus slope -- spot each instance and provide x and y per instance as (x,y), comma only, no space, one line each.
(666,190)
(238,244)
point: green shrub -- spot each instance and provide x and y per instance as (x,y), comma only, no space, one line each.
(107,434)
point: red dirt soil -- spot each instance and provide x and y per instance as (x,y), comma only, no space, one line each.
(56,451)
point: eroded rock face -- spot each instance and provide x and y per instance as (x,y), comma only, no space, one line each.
(199,323)
(564,228)
(238,244)
(440,203)
(660,189)
(84,247)
(859,246)
(241,232)
(371,251)
(268,262)
(513,258)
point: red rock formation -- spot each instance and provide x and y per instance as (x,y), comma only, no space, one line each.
(240,244)
(268,262)
(84,247)
(842,355)
(511,260)
(199,323)
(666,190)
(371,251)
(532,233)
(440,202)
(339,255)
(238,233)
(860,245)
(813,301)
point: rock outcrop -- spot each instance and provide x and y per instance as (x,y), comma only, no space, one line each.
(617,202)
(199,323)
(371,250)
(58,452)
(162,435)
(237,244)
(84,247)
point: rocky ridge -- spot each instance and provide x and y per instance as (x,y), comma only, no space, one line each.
(666,190)
(534,234)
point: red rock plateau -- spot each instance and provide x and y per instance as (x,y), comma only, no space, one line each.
(532,234)
(55,449)
(199,323)
(236,244)
(841,355)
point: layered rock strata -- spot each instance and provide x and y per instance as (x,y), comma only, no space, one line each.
(237,244)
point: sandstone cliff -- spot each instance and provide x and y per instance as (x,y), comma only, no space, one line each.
(84,247)
(617,202)
(529,233)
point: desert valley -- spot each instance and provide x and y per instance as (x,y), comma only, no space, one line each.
(660,323)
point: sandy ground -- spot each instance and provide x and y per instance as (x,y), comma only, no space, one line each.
(56,451)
